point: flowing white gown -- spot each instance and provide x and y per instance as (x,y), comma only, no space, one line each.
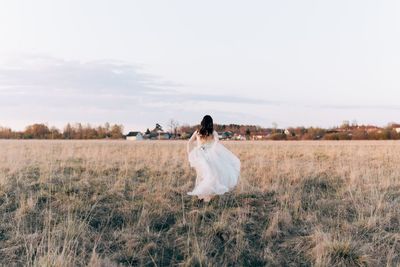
(217,168)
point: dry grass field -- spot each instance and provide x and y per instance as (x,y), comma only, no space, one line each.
(117,203)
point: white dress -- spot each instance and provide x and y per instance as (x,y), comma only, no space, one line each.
(217,168)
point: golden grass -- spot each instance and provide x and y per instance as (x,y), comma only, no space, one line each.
(105,203)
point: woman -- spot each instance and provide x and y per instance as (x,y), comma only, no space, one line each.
(217,168)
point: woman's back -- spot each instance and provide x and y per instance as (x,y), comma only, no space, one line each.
(206,139)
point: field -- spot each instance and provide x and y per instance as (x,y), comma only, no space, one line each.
(111,203)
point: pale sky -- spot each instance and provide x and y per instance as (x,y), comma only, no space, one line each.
(296,63)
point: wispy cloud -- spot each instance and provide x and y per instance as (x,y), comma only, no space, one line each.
(51,89)
(360,107)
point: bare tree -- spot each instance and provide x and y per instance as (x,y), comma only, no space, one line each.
(173,126)
(345,124)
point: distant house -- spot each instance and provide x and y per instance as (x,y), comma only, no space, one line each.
(238,137)
(396,127)
(225,135)
(289,132)
(164,136)
(158,133)
(260,135)
(134,136)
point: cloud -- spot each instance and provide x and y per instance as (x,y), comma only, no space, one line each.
(41,88)
(38,74)
(361,107)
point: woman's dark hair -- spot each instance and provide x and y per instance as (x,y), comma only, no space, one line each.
(206,126)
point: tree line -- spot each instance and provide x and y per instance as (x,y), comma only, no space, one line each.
(250,132)
(70,131)
(346,131)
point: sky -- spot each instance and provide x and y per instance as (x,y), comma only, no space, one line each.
(137,63)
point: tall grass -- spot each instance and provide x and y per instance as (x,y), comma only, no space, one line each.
(111,203)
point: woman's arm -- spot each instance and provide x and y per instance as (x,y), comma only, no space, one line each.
(192,138)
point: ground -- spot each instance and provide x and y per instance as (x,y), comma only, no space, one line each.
(111,203)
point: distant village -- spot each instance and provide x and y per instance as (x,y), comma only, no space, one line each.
(159,134)
(174,131)
(346,131)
